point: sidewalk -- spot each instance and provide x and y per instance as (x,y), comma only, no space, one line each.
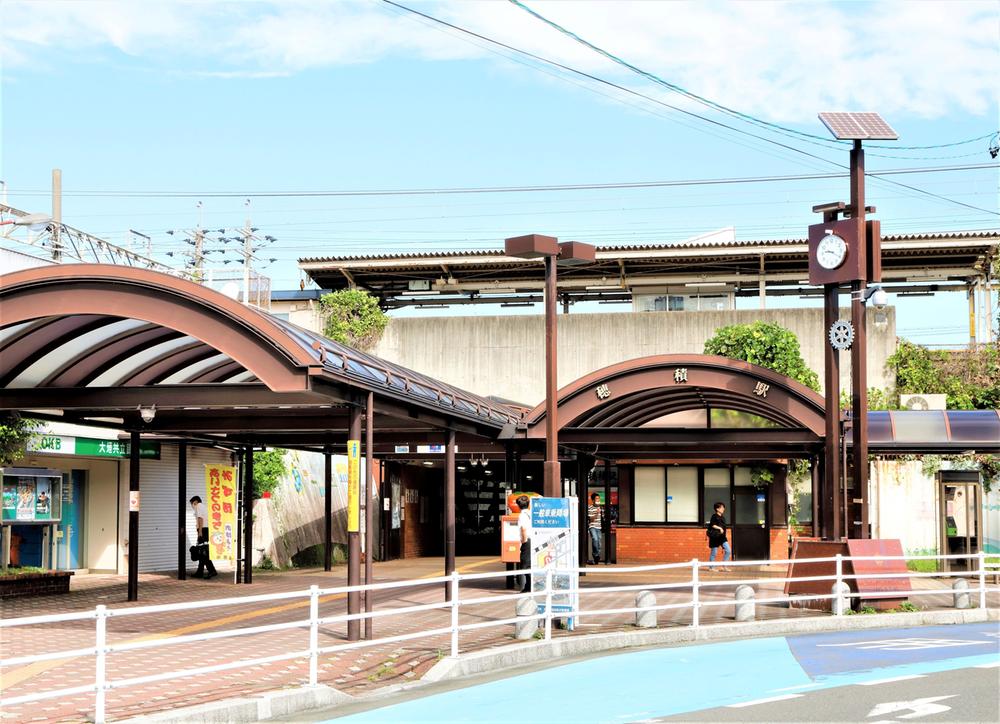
(352,671)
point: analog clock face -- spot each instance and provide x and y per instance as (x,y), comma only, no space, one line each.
(831,251)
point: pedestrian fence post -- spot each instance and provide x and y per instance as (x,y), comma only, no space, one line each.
(838,599)
(100,674)
(695,597)
(454,613)
(982,580)
(548,604)
(313,635)
(746,603)
(960,588)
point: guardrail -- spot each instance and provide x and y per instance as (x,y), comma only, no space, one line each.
(544,611)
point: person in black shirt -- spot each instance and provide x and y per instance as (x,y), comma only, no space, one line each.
(717,536)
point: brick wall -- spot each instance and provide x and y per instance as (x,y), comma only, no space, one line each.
(669,545)
(34,584)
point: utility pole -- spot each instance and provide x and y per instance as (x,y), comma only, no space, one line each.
(247,254)
(56,214)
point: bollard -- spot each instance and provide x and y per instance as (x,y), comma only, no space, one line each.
(961,592)
(645,619)
(746,603)
(841,598)
(526,629)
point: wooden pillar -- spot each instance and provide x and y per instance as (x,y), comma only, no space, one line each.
(327,509)
(369,506)
(354,545)
(133,517)
(449,509)
(182,507)
(248,517)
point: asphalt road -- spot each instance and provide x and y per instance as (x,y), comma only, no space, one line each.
(962,695)
(948,673)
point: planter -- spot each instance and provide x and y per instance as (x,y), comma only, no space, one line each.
(34,584)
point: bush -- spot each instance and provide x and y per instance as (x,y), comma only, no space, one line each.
(353,317)
(765,344)
(268,469)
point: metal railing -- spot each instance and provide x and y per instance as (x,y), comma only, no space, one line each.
(544,611)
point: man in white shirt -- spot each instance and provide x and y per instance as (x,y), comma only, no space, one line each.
(524,529)
(201,524)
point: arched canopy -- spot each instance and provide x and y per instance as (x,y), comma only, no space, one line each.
(633,394)
(94,337)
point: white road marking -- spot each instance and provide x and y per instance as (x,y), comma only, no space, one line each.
(919,707)
(764,701)
(889,681)
(914,643)
(800,686)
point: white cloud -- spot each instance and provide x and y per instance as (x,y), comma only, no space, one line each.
(781,60)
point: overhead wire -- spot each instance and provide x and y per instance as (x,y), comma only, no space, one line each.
(749,118)
(874,175)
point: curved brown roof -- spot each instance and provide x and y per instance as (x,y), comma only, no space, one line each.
(95,326)
(636,392)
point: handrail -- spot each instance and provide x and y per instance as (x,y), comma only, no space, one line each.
(545,612)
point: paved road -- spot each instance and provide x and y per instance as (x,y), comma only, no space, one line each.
(961,695)
(803,677)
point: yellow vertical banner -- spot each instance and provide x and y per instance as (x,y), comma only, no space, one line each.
(353,486)
(220,486)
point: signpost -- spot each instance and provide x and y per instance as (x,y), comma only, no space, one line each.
(554,546)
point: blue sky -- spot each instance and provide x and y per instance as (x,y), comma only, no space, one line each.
(254,97)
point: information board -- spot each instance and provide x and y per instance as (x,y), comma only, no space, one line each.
(554,546)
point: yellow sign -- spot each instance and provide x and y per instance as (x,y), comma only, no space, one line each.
(353,486)
(220,485)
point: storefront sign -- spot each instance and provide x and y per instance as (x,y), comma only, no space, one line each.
(68,445)
(220,489)
(402,449)
(353,486)
(439,449)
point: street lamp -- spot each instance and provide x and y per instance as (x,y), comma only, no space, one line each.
(570,253)
(34,222)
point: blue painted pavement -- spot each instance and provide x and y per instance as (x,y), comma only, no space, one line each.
(662,682)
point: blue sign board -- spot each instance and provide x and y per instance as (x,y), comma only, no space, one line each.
(549,513)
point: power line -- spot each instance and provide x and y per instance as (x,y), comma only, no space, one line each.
(749,118)
(679,110)
(522,189)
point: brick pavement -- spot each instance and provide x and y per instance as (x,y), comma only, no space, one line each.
(353,671)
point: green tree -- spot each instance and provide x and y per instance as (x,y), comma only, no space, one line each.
(970,378)
(15,431)
(268,469)
(353,317)
(765,344)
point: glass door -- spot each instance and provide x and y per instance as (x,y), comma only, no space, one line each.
(960,522)
(749,516)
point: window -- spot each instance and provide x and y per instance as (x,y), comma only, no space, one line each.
(742,477)
(650,494)
(682,494)
(716,491)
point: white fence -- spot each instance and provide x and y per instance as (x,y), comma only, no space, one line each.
(312,651)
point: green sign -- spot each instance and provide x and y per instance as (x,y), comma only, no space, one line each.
(67,445)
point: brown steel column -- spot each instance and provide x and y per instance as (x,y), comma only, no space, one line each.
(859,350)
(133,517)
(354,546)
(817,482)
(552,477)
(248,518)
(607,512)
(830,525)
(182,506)
(449,510)
(369,507)
(327,509)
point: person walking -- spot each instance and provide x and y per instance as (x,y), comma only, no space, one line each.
(595,525)
(524,531)
(201,523)
(717,528)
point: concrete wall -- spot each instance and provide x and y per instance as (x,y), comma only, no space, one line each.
(503,355)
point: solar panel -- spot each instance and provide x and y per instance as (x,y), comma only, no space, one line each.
(858,126)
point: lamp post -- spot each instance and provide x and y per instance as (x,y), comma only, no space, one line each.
(570,253)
